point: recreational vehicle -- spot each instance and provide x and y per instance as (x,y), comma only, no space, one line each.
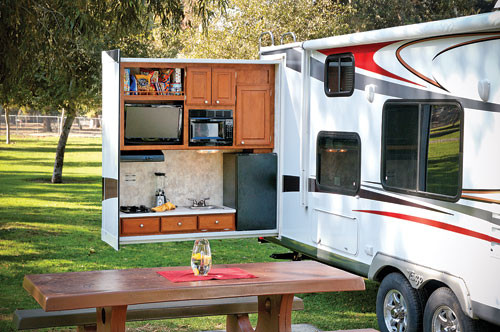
(376,152)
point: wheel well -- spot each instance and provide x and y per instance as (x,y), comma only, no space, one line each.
(384,272)
(429,287)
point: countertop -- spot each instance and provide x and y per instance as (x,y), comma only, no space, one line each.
(180,211)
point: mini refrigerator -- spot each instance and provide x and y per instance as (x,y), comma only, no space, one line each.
(249,184)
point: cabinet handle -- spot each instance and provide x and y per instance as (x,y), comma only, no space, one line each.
(217,101)
(216,222)
(206,101)
(141,225)
(179,224)
(242,142)
(204,230)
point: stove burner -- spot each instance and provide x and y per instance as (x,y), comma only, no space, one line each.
(135,209)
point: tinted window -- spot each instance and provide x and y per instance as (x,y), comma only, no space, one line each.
(339,75)
(338,162)
(443,160)
(401,146)
(421,147)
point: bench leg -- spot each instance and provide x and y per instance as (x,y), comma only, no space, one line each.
(275,315)
(111,319)
(86,328)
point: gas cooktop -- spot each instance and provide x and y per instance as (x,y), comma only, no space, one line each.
(135,209)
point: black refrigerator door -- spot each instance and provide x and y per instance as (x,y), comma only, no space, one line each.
(250,187)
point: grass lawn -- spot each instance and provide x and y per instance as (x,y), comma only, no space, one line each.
(48,228)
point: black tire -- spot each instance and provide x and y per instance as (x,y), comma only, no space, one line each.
(406,314)
(443,303)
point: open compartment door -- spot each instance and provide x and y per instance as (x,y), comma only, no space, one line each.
(110,146)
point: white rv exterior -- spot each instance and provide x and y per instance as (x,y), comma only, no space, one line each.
(388,155)
(388,220)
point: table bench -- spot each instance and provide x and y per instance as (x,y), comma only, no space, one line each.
(85,319)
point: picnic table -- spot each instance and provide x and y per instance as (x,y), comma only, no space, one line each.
(111,291)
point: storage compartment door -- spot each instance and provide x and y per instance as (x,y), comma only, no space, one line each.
(110,146)
(336,231)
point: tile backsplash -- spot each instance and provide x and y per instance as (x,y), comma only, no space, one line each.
(188,174)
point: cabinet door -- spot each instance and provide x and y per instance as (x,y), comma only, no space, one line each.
(140,226)
(253,115)
(199,86)
(216,222)
(179,224)
(223,86)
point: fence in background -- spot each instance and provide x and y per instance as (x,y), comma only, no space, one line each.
(46,125)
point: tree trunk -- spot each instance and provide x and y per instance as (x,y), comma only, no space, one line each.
(7,126)
(47,124)
(61,147)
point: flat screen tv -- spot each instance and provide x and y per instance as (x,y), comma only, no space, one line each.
(152,124)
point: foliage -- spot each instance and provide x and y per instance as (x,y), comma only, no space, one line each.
(48,228)
(379,14)
(235,34)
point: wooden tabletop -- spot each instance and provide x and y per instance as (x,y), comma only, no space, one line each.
(91,289)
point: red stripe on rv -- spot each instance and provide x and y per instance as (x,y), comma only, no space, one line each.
(363,58)
(434,223)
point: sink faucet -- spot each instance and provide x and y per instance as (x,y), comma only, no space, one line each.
(199,203)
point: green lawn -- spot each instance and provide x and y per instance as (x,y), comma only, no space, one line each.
(47,228)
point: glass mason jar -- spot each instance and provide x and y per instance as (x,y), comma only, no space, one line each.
(201,258)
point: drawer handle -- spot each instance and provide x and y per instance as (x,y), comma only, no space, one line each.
(179,224)
(141,225)
(216,222)
(242,142)
(227,229)
(204,230)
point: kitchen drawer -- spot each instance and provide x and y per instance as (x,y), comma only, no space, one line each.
(216,222)
(179,224)
(140,226)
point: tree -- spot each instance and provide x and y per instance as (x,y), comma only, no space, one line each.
(379,14)
(235,33)
(50,56)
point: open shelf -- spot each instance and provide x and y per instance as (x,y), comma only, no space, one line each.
(139,98)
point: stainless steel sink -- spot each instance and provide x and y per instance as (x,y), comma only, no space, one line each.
(206,207)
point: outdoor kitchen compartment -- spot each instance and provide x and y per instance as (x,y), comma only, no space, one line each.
(249,184)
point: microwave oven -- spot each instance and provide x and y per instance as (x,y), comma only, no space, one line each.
(210,127)
(153,124)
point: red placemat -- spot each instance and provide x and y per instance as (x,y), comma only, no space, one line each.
(224,273)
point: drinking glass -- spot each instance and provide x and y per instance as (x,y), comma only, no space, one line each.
(201,258)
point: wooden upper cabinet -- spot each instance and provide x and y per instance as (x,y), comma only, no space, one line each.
(223,86)
(210,86)
(253,116)
(199,85)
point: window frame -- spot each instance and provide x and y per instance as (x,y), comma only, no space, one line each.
(417,191)
(341,190)
(325,85)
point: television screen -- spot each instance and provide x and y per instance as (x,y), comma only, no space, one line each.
(153,124)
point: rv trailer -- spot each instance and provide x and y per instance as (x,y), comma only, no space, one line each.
(390,165)
(376,152)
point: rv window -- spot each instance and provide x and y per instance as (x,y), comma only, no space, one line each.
(339,75)
(421,148)
(338,162)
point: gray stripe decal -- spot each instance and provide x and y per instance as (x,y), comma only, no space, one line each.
(293,58)
(460,208)
(401,91)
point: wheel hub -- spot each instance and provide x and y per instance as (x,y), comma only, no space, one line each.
(445,320)
(395,311)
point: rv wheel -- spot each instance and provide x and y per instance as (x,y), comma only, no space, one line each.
(443,313)
(398,305)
